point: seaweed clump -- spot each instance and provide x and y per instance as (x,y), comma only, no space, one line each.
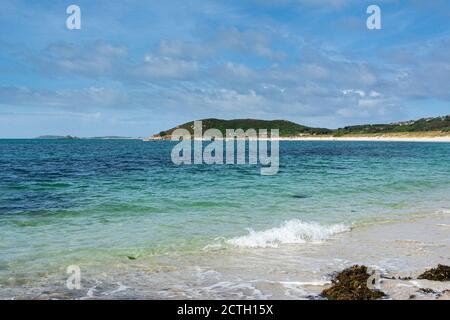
(440,273)
(426,290)
(351,284)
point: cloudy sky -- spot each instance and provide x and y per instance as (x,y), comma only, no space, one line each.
(138,67)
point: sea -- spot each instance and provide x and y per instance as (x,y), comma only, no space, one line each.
(136,226)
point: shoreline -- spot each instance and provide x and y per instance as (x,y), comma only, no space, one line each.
(381,138)
(374,138)
(398,251)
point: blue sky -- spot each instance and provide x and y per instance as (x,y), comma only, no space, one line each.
(138,67)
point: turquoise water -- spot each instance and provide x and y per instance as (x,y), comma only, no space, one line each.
(70,202)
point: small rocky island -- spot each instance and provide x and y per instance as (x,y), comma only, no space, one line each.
(50,137)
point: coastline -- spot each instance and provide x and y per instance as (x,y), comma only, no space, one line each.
(399,251)
(425,137)
(369,138)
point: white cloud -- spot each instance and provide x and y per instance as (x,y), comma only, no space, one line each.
(160,68)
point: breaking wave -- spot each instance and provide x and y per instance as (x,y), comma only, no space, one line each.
(290,232)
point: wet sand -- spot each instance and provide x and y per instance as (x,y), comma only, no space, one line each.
(394,249)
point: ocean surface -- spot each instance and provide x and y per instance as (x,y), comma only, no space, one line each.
(139,226)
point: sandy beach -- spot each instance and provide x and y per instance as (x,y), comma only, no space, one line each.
(381,138)
(373,138)
(402,249)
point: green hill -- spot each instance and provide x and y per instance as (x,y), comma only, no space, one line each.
(287,128)
(441,124)
(291,129)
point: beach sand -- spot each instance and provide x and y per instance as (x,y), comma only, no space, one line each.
(394,249)
(372,138)
(424,137)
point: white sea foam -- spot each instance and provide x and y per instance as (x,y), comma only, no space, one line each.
(291,232)
(443,211)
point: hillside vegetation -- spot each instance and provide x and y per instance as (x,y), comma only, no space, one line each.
(287,128)
(439,125)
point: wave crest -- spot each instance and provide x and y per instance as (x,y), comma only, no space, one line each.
(291,232)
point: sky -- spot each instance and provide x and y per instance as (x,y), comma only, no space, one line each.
(138,67)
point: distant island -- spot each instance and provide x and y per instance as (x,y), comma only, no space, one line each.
(113,138)
(50,137)
(425,127)
(69,137)
(437,127)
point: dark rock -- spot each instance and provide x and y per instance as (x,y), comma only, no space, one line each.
(351,284)
(426,290)
(440,273)
(300,196)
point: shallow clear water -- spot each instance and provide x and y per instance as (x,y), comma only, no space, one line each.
(99,202)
